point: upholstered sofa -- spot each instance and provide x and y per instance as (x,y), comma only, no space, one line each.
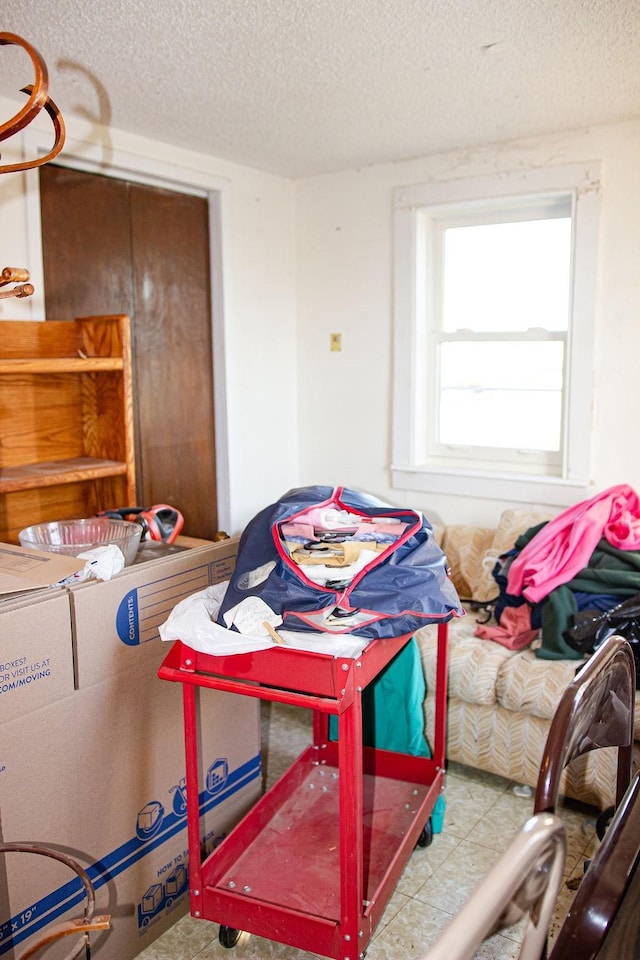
(501,701)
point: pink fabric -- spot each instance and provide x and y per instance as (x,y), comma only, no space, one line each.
(514,631)
(564,545)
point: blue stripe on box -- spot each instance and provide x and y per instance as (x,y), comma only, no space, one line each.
(55,904)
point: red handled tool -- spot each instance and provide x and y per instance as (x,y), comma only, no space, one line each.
(160,522)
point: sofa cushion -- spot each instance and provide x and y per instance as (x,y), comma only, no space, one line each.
(465,548)
(473,670)
(484,672)
(473,664)
(512,745)
(525,684)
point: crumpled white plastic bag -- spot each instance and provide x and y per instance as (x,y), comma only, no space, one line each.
(192,621)
(102,564)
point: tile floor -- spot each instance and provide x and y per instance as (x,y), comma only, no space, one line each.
(482,815)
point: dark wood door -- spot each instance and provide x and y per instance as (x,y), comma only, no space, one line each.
(111,246)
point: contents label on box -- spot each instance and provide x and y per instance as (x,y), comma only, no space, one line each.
(144,608)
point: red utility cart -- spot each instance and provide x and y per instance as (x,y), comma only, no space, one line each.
(315,860)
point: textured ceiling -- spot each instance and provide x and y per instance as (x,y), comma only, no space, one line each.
(313,86)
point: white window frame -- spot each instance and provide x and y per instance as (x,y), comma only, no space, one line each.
(411,469)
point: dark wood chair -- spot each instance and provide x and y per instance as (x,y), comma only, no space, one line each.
(596,710)
(603,921)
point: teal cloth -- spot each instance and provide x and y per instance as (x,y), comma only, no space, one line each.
(392,713)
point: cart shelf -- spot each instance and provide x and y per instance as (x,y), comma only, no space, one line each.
(314,862)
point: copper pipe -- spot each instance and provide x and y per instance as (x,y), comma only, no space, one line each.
(22,290)
(82,926)
(38,98)
(38,93)
(13,275)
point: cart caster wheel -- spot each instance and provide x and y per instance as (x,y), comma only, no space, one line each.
(426,837)
(228,936)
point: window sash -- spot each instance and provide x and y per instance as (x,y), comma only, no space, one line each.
(435,223)
(536,460)
(554,480)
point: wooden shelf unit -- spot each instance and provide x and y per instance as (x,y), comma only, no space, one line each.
(66,420)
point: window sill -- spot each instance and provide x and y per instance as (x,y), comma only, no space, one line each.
(547,491)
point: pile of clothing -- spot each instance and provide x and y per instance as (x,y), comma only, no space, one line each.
(572,578)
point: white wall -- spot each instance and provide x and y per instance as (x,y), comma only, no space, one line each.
(345,285)
(309,259)
(259,291)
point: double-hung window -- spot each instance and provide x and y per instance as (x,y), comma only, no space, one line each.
(494,304)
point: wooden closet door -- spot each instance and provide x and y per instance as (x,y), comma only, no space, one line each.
(173,348)
(86,244)
(110,246)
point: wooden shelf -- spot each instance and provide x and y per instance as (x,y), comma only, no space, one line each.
(54,472)
(66,406)
(61,365)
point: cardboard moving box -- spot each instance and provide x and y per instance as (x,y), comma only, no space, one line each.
(116,622)
(100,776)
(24,570)
(97,770)
(36,653)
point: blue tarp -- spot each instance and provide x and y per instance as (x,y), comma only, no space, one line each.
(402,585)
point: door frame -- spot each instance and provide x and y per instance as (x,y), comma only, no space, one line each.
(106,160)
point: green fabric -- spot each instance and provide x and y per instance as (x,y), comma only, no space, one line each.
(609,571)
(392,713)
(557,612)
(392,706)
(528,535)
(437,817)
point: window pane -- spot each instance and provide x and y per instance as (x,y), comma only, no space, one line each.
(501,395)
(507,276)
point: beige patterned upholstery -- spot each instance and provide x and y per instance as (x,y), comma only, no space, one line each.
(506,733)
(465,548)
(501,701)
(472,551)
(473,666)
(529,685)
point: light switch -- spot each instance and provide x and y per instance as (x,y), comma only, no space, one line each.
(336,341)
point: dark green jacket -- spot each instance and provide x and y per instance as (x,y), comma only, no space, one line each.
(609,571)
